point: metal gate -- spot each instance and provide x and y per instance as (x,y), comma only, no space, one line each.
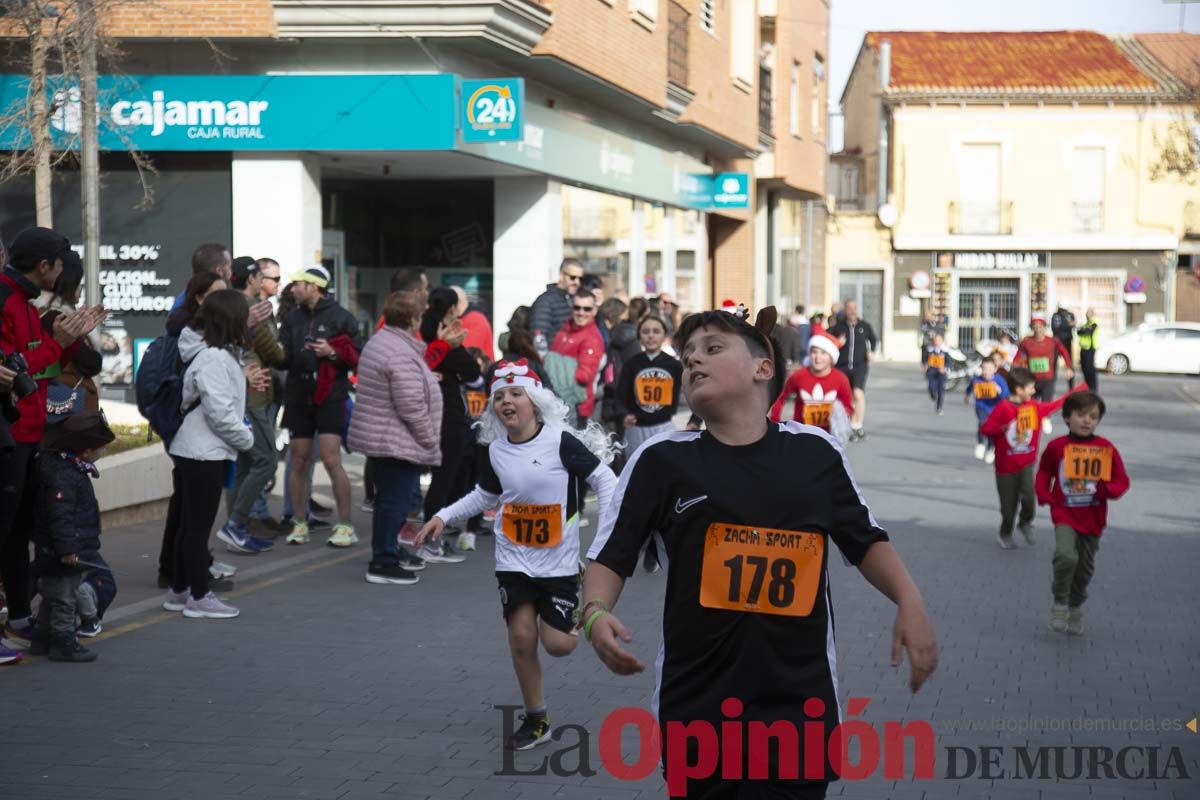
(986,306)
(865,287)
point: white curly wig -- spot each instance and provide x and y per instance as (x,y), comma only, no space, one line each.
(553,413)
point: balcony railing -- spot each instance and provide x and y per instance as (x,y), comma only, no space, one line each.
(1087,217)
(980,218)
(766,103)
(677,43)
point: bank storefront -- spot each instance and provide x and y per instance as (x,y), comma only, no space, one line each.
(479,181)
(984,292)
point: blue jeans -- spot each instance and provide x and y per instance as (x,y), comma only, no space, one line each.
(394,483)
(981,414)
(937,385)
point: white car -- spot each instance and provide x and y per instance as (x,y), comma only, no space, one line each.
(1167,347)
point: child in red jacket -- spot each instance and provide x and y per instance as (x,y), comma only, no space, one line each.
(1015,427)
(1078,474)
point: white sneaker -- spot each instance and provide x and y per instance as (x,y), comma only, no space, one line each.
(208,607)
(1006,542)
(989,457)
(466,541)
(1075,621)
(1058,618)
(176,602)
(980,449)
(437,554)
(1046,426)
(219,569)
(1027,532)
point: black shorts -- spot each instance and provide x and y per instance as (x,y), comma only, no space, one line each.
(856,376)
(1044,390)
(555,599)
(303,421)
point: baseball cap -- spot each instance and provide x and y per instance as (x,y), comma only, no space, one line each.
(34,245)
(243,268)
(315,274)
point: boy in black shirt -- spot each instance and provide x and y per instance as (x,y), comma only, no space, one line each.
(648,387)
(743,514)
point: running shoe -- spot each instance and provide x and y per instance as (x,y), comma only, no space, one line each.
(1058,618)
(1026,531)
(16,637)
(395,575)
(439,553)
(980,450)
(989,457)
(1075,621)
(410,561)
(466,541)
(175,601)
(8,656)
(89,627)
(71,652)
(237,539)
(1046,426)
(368,506)
(219,569)
(534,730)
(299,534)
(1006,542)
(941,412)
(208,607)
(343,536)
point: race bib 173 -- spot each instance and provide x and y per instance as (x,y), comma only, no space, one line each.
(761,570)
(531,525)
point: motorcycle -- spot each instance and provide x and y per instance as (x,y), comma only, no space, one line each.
(960,367)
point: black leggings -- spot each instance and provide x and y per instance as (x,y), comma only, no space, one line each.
(19,479)
(198,485)
(445,479)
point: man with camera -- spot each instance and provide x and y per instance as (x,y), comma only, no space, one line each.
(34,264)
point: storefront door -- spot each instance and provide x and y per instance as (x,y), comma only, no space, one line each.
(986,306)
(865,287)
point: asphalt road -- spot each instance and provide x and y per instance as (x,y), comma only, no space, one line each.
(328,687)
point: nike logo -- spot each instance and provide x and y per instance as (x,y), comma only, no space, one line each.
(682,505)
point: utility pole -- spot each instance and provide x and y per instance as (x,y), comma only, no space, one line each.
(89,149)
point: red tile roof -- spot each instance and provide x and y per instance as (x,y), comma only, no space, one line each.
(1057,62)
(1178,52)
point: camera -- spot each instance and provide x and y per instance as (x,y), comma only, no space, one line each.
(23,383)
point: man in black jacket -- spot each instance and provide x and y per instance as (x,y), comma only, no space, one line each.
(858,347)
(552,308)
(321,343)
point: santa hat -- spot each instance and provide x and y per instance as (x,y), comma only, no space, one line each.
(1036,319)
(515,373)
(826,343)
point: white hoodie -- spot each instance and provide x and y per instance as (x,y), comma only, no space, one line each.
(217,429)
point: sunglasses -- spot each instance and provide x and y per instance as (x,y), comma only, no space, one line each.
(574,277)
(584,308)
(271,278)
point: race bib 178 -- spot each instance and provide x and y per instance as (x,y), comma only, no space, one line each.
(761,570)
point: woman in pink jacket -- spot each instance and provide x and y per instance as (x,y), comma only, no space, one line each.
(396,424)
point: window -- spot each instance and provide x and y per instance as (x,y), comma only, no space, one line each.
(1087,189)
(744,61)
(1186,333)
(847,186)
(708,16)
(818,95)
(979,189)
(794,100)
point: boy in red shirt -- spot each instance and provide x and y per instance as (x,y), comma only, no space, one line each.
(1078,474)
(1015,428)
(1040,353)
(819,390)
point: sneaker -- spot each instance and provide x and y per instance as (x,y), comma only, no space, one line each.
(1006,542)
(534,730)
(857,434)
(236,539)
(260,544)
(941,412)
(89,627)
(208,607)
(368,506)
(71,652)
(1058,618)
(1027,531)
(980,450)
(410,561)
(436,553)
(390,575)
(466,541)
(343,536)
(299,534)
(219,569)
(318,509)
(16,637)
(173,601)
(989,457)
(1075,621)
(8,656)
(317,524)
(1046,426)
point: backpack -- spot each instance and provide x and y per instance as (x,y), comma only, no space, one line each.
(159,387)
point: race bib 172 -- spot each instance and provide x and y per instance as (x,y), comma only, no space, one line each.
(818,414)
(761,570)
